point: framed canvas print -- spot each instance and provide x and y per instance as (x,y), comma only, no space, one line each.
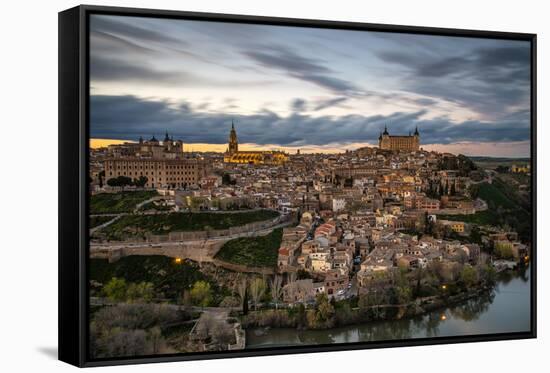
(236,186)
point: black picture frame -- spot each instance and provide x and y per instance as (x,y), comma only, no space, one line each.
(74,197)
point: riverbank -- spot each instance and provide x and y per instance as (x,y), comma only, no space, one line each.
(502,309)
(344,315)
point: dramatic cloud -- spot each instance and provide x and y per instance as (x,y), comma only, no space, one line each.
(128,117)
(488,80)
(290,86)
(106,43)
(117,26)
(323,104)
(103,69)
(298,105)
(300,67)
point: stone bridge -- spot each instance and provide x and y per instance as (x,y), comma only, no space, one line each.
(200,251)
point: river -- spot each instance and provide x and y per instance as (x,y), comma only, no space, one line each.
(506,309)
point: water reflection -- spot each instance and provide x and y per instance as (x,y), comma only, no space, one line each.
(505,309)
(473,308)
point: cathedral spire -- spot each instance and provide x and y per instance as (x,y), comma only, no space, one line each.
(416,131)
(233,142)
(385,130)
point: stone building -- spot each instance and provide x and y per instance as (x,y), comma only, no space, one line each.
(163,164)
(409,143)
(172,173)
(234,155)
(153,148)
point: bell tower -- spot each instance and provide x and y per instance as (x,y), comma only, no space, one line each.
(384,141)
(416,139)
(233,143)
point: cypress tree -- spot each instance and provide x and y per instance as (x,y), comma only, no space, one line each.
(245,303)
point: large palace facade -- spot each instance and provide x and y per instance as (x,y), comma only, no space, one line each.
(163,163)
(409,143)
(234,155)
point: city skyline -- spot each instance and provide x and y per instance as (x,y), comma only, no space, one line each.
(316,90)
(466,148)
(219,216)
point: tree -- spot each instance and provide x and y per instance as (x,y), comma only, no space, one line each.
(432,190)
(101,177)
(201,294)
(245,303)
(468,276)
(465,165)
(372,299)
(325,310)
(301,318)
(475,235)
(126,343)
(488,274)
(428,224)
(115,289)
(453,189)
(124,181)
(419,276)
(114,182)
(144,291)
(120,181)
(257,289)
(504,250)
(401,291)
(127,329)
(141,181)
(155,337)
(241,290)
(186,298)
(276,289)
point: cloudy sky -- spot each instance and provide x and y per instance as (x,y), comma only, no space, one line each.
(303,88)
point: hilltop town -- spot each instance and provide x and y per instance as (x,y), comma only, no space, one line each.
(368,229)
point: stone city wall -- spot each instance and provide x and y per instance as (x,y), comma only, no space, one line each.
(208,234)
(233,232)
(199,252)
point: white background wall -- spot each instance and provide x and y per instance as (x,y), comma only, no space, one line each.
(28,219)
